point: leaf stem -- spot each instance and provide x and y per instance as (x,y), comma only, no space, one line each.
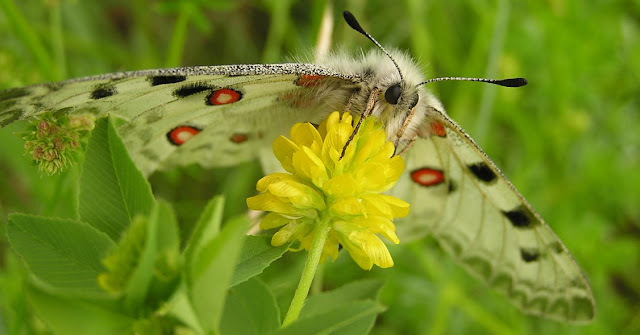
(309,271)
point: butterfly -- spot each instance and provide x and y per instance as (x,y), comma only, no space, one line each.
(223,115)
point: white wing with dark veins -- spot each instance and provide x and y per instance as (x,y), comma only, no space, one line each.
(211,115)
(461,197)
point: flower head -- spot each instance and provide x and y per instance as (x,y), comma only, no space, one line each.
(53,141)
(345,192)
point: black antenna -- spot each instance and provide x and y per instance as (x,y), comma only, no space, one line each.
(353,23)
(509,82)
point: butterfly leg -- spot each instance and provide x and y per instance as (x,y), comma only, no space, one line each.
(405,124)
(373,97)
(406,147)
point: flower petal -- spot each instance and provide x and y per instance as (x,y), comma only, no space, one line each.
(297,194)
(375,205)
(399,207)
(370,177)
(329,122)
(285,234)
(273,220)
(267,180)
(337,137)
(370,144)
(346,206)
(357,254)
(305,134)
(309,167)
(283,149)
(379,225)
(271,203)
(376,250)
(393,171)
(340,186)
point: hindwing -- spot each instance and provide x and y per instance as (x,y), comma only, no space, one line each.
(459,195)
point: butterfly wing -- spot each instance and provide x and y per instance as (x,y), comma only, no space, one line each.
(461,197)
(213,115)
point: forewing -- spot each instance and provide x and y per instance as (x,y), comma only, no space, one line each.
(476,214)
(214,116)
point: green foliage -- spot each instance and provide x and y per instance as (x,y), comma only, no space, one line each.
(134,278)
(257,253)
(569,141)
(112,190)
(62,253)
(251,300)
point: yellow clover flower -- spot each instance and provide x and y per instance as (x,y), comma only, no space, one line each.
(343,192)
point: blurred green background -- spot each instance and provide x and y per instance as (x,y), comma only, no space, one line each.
(570,140)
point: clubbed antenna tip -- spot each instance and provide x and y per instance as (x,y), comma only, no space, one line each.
(511,82)
(353,23)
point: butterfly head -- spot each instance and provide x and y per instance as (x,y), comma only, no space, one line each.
(395,93)
(395,90)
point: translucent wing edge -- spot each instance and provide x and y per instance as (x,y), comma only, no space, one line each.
(580,303)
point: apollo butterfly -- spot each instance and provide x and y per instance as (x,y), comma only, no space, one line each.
(223,115)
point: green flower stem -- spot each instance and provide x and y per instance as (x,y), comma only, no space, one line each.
(309,271)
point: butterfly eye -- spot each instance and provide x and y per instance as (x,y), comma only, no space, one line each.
(392,94)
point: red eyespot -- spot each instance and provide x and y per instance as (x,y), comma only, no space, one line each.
(179,135)
(308,80)
(427,176)
(224,96)
(438,129)
(238,138)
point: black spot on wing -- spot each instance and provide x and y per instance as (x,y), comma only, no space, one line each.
(103,92)
(452,186)
(520,217)
(7,104)
(154,116)
(14,93)
(10,116)
(556,247)
(150,154)
(166,79)
(482,171)
(145,135)
(529,254)
(191,89)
